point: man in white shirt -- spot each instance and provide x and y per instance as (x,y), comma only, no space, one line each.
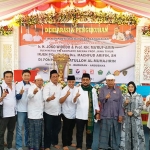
(37,37)
(52,111)
(35,114)
(27,36)
(8,120)
(118,35)
(68,112)
(146,107)
(22,118)
(85,97)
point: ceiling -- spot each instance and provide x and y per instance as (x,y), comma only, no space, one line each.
(10,8)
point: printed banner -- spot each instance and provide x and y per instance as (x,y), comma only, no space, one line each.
(145,61)
(98,49)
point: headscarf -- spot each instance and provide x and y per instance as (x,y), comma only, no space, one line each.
(131,82)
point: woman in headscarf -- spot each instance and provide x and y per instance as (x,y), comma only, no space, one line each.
(132,134)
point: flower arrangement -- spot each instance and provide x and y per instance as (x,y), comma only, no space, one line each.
(6,30)
(146,30)
(97,87)
(76,16)
(123,89)
(1,80)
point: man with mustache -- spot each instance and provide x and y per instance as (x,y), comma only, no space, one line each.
(85,97)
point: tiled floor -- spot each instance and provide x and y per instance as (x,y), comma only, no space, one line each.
(95,139)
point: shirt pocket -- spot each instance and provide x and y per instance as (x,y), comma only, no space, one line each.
(115,97)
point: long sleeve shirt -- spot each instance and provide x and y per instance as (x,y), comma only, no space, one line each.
(52,107)
(68,108)
(35,103)
(111,108)
(22,98)
(83,103)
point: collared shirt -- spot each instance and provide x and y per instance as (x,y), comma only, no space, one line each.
(111,108)
(22,98)
(35,103)
(37,38)
(9,102)
(147,109)
(83,103)
(52,107)
(27,37)
(68,108)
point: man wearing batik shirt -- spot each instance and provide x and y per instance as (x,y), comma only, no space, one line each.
(111,114)
(35,114)
(68,112)
(85,98)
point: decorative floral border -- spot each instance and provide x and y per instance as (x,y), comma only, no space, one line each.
(146,30)
(6,30)
(75,16)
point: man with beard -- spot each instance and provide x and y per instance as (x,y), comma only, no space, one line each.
(85,97)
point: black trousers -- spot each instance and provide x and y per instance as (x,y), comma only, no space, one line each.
(52,126)
(8,123)
(67,130)
(80,124)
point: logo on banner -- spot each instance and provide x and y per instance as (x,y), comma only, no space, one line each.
(70,71)
(91,71)
(77,71)
(108,73)
(100,72)
(116,73)
(124,72)
(84,71)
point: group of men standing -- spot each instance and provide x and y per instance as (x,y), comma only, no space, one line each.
(40,109)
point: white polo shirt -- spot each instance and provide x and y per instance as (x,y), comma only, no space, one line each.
(22,103)
(83,103)
(9,102)
(68,108)
(37,38)
(52,107)
(27,37)
(35,103)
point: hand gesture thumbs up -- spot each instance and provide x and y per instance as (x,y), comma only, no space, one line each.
(53,96)
(4,94)
(108,96)
(78,94)
(21,91)
(68,92)
(35,91)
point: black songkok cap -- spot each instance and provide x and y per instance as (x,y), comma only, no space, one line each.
(52,72)
(86,75)
(71,77)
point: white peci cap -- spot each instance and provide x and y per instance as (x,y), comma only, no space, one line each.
(38,77)
(110,76)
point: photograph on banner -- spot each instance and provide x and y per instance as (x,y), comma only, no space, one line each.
(97,49)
